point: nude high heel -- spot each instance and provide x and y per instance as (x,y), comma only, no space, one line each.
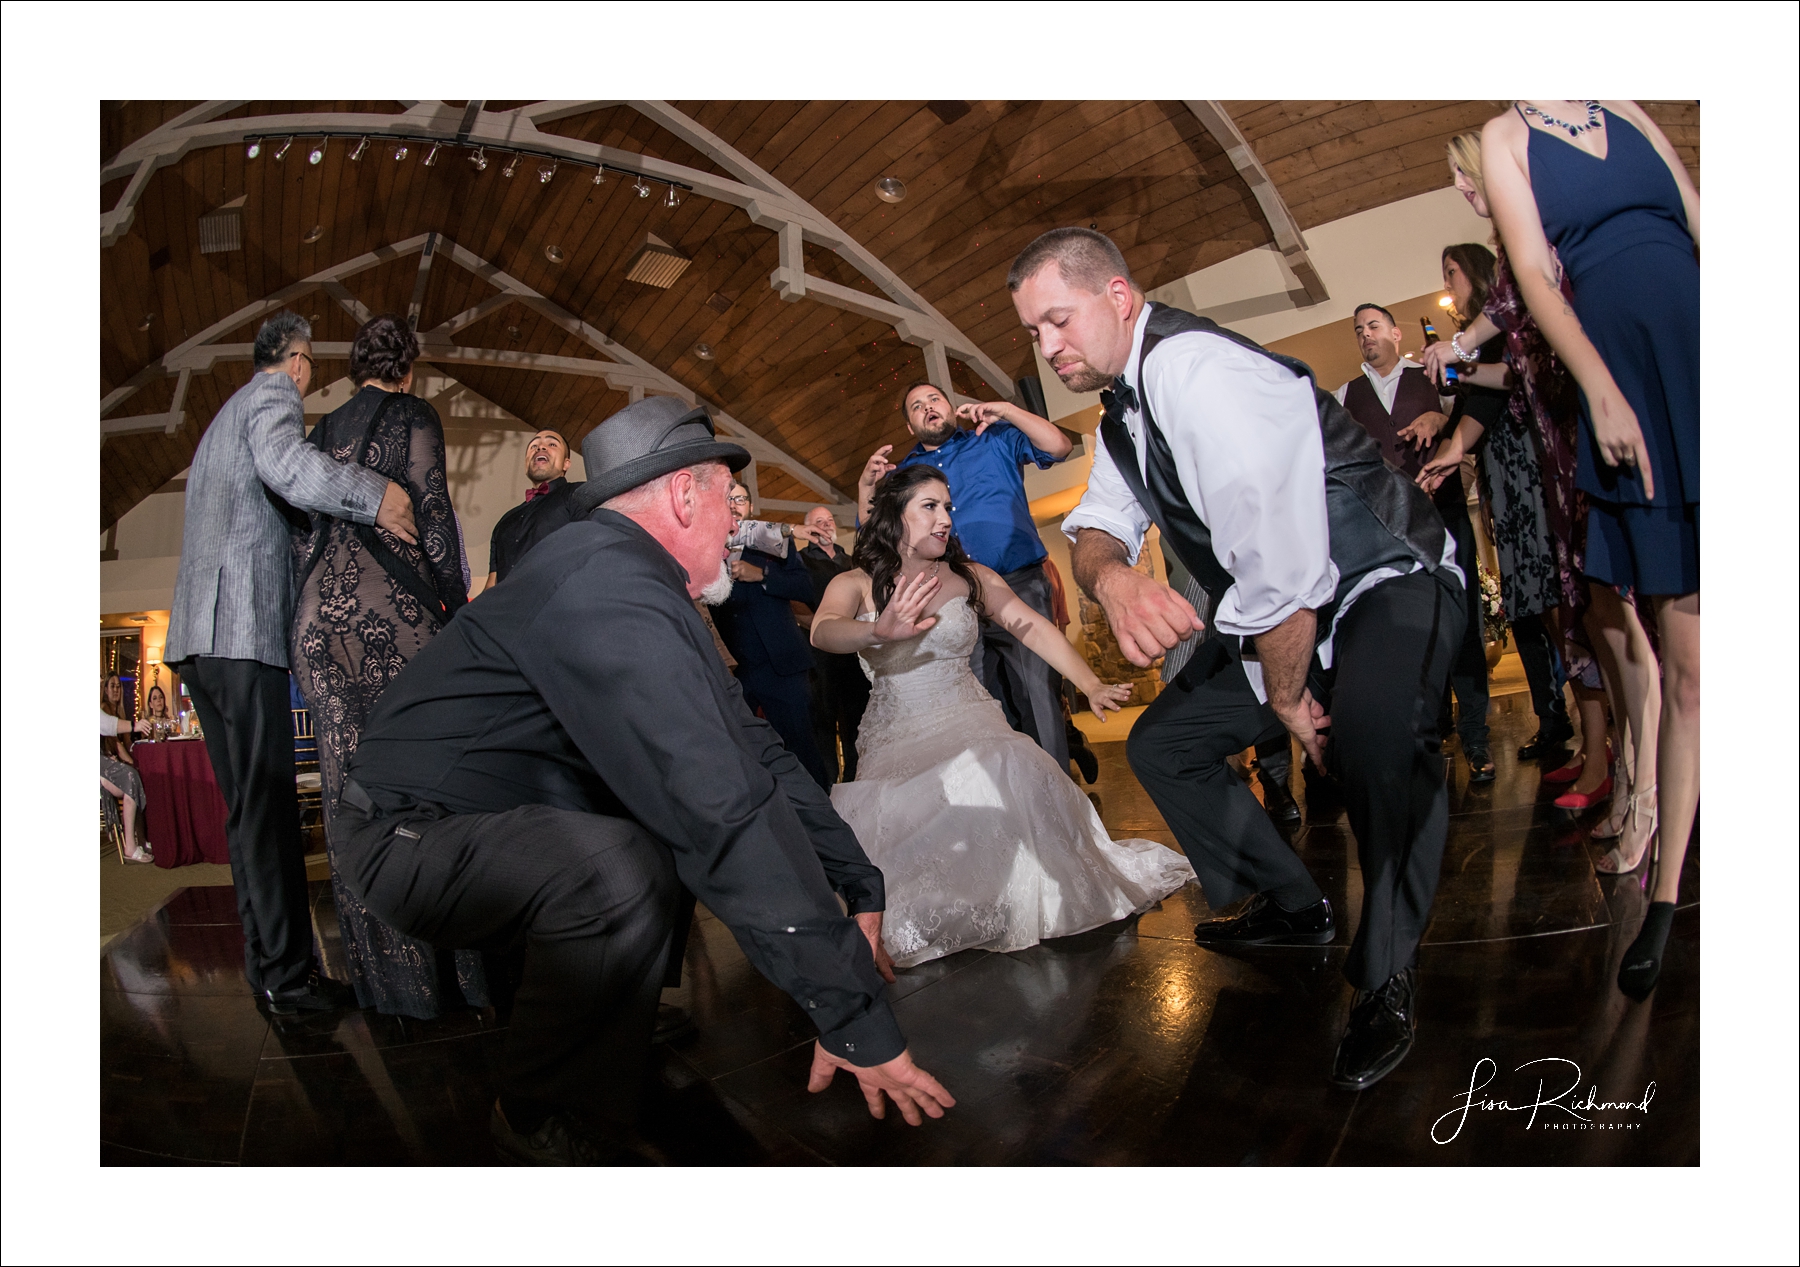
(1612,862)
(1614,822)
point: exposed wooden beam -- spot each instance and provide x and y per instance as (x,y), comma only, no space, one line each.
(1282,225)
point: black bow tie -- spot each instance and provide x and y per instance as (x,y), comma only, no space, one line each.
(1119,398)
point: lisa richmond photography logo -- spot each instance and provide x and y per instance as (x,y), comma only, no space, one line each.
(1552,1089)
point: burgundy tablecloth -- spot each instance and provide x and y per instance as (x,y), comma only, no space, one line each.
(184,813)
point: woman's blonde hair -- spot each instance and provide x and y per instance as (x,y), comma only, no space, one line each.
(1465,157)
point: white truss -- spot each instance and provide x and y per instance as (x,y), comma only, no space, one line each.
(768,203)
(622,369)
(1282,225)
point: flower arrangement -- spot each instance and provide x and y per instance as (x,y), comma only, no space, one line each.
(1493,607)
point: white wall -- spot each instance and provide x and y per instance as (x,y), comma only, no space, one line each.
(1378,256)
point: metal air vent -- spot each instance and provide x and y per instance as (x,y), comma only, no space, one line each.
(222,231)
(656,264)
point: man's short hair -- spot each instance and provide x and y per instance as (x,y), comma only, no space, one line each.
(553,431)
(1084,258)
(1362,308)
(275,341)
(923,382)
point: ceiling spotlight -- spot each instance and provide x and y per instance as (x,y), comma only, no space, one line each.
(431,157)
(546,171)
(642,188)
(599,175)
(512,332)
(890,189)
(356,155)
(703,351)
(314,234)
(1444,301)
(148,318)
(400,152)
(254,150)
(317,155)
(511,167)
(554,254)
(478,160)
(673,200)
(282,152)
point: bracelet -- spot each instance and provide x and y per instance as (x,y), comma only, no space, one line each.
(1456,346)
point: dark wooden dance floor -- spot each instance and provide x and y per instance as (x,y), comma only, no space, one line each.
(1127,1045)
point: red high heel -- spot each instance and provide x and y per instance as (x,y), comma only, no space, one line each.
(1586,800)
(1569,773)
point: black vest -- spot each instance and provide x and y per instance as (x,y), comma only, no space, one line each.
(1376,516)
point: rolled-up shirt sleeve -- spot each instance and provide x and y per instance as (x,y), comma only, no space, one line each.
(1109,505)
(1244,433)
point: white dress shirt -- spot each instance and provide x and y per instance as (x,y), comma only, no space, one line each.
(1244,433)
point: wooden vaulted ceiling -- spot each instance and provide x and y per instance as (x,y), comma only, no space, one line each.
(983,179)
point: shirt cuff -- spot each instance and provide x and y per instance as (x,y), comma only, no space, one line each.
(874,1038)
(1117,526)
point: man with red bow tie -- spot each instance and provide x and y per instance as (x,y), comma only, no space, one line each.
(542,511)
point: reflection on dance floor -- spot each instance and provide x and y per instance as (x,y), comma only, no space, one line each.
(1126,1045)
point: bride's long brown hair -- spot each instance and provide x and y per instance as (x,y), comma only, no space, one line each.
(878,542)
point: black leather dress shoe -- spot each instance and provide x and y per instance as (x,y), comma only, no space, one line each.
(318,994)
(1552,737)
(671,1023)
(1262,923)
(1380,1033)
(1086,762)
(1279,803)
(561,1142)
(1481,766)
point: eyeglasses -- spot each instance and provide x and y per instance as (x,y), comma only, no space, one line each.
(311,364)
(737,500)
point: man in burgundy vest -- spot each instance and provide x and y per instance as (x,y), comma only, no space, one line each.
(1397,404)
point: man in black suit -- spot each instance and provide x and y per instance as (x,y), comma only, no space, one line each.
(840,688)
(773,658)
(565,755)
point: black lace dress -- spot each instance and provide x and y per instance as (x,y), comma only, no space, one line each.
(367,603)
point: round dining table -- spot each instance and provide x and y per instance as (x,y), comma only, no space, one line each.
(184,814)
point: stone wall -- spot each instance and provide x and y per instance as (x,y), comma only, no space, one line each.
(1102,648)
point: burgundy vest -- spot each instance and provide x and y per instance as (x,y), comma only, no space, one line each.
(1416,395)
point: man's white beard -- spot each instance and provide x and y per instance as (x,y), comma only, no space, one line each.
(720,589)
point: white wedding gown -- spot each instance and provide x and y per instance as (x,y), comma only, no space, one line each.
(982,840)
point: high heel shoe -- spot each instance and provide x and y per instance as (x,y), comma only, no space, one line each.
(1571,772)
(1609,827)
(1586,800)
(1642,964)
(1612,862)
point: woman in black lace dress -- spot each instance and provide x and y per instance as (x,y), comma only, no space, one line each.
(367,603)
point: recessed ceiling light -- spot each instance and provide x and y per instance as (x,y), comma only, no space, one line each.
(890,189)
(315,317)
(512,332)
(314,234)
(703,351)
(554,254)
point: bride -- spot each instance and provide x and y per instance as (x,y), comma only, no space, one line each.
(982,840)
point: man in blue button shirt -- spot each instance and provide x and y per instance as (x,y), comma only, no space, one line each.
(992,516)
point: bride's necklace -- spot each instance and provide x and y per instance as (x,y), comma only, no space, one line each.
(1573,129)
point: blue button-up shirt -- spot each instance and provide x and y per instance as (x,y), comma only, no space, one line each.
(990,511)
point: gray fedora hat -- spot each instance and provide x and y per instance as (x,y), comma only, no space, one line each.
(656,435)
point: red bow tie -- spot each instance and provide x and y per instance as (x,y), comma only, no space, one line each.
(538,490)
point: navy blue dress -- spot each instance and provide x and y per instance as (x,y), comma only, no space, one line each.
(1622,234)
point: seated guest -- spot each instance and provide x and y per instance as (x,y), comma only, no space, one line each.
(156,706)
(120,782)
(544,509)
(758,626)
(564,755)
(112,703)
(841,689)
(1397,403)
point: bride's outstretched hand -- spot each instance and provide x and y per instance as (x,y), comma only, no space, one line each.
(904,616)
(900,1080)
(1108,697)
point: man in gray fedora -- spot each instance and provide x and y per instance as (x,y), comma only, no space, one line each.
(571,750)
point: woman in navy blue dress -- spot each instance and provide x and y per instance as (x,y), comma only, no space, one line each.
(1601,183)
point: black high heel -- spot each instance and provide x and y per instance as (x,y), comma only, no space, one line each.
(1642,965)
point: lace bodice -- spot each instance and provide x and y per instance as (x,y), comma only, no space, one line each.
(923,689)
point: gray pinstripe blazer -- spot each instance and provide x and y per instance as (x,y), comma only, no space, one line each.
(234,593)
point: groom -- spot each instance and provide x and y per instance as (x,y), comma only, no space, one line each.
(1326,569)
(543,773)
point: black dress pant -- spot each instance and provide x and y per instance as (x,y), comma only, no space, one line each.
(840,694)
(590,900)
(245,711)
(1392,657)
(1469,673)
(1028,689)
(1537,656)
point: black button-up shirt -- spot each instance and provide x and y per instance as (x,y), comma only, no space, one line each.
(589,682)
(527,524)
